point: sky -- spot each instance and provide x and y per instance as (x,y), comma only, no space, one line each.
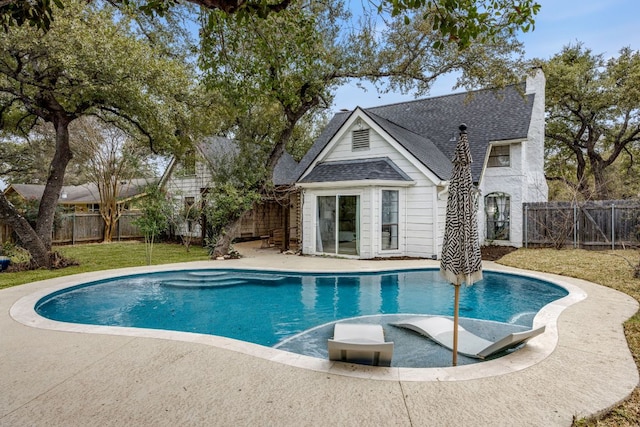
(604,26)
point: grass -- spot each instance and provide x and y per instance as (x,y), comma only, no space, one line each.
(608,268)
(104,256)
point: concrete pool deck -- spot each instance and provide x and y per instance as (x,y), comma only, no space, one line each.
(68,378)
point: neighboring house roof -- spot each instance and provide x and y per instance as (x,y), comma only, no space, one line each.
(76,194)
(428,128)
(218,148)
(348,170)
(284,171)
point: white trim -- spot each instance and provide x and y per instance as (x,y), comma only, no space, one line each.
(358,183)
(401,223)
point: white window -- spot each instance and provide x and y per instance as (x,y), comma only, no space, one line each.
(389,209)
(499,156)
(497,208)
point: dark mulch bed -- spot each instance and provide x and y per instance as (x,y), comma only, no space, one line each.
(494,252)
(489,253)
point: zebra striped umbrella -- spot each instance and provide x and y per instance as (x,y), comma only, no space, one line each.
(461,261)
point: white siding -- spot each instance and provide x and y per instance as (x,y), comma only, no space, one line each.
(180,186)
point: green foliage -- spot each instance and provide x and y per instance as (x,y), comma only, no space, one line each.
(135,87)
(593,125)
(36,13)
(224,204)
(17,254)
(156,211)
(465,22)
(276,67)
(40,13)
(462,22)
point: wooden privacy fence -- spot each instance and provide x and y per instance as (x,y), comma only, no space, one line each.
(608,224)
(89,227)
(84,227)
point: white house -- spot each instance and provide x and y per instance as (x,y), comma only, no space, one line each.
(375,182)
(188,180)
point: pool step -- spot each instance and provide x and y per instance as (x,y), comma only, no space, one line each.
(207,273)
(206,279)
(244,275)
(265,277)
(203,283)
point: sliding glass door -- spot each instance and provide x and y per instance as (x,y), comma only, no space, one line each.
(338,225)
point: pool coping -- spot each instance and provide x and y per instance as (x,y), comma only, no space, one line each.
(535,351)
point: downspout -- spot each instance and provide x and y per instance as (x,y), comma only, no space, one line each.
(375,225)
(436,222)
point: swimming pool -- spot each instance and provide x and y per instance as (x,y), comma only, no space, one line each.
(273,308)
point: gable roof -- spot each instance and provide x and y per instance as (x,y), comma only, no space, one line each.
(428,128)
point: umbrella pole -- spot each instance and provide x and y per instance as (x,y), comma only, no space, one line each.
(456,305)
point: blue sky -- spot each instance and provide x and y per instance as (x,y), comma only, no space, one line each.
(604,26)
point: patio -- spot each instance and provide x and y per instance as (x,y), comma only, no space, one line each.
(72,378)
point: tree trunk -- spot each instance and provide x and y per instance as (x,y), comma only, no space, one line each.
(600,179)
(49,201)
(109,229)
(225,238)
(28,237)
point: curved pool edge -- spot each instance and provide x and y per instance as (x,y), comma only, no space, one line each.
(534,352)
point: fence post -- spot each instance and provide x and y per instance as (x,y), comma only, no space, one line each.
(526,227)
(613,226)
(575,226)
(73,227)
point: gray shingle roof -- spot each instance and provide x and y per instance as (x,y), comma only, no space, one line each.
(86,193)
(425,127)
(422,148)
(355,170)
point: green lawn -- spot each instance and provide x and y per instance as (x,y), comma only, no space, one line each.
(104,256)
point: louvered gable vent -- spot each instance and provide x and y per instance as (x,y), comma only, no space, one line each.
(360,140)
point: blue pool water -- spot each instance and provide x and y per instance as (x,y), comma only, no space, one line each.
(270,307)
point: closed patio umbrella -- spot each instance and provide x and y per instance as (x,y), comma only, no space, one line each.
(461,261)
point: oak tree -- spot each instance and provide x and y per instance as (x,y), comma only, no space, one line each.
(64,74)
(593,118)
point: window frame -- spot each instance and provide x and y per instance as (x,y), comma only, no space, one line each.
(388,225)
(497,159)
(497,228)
